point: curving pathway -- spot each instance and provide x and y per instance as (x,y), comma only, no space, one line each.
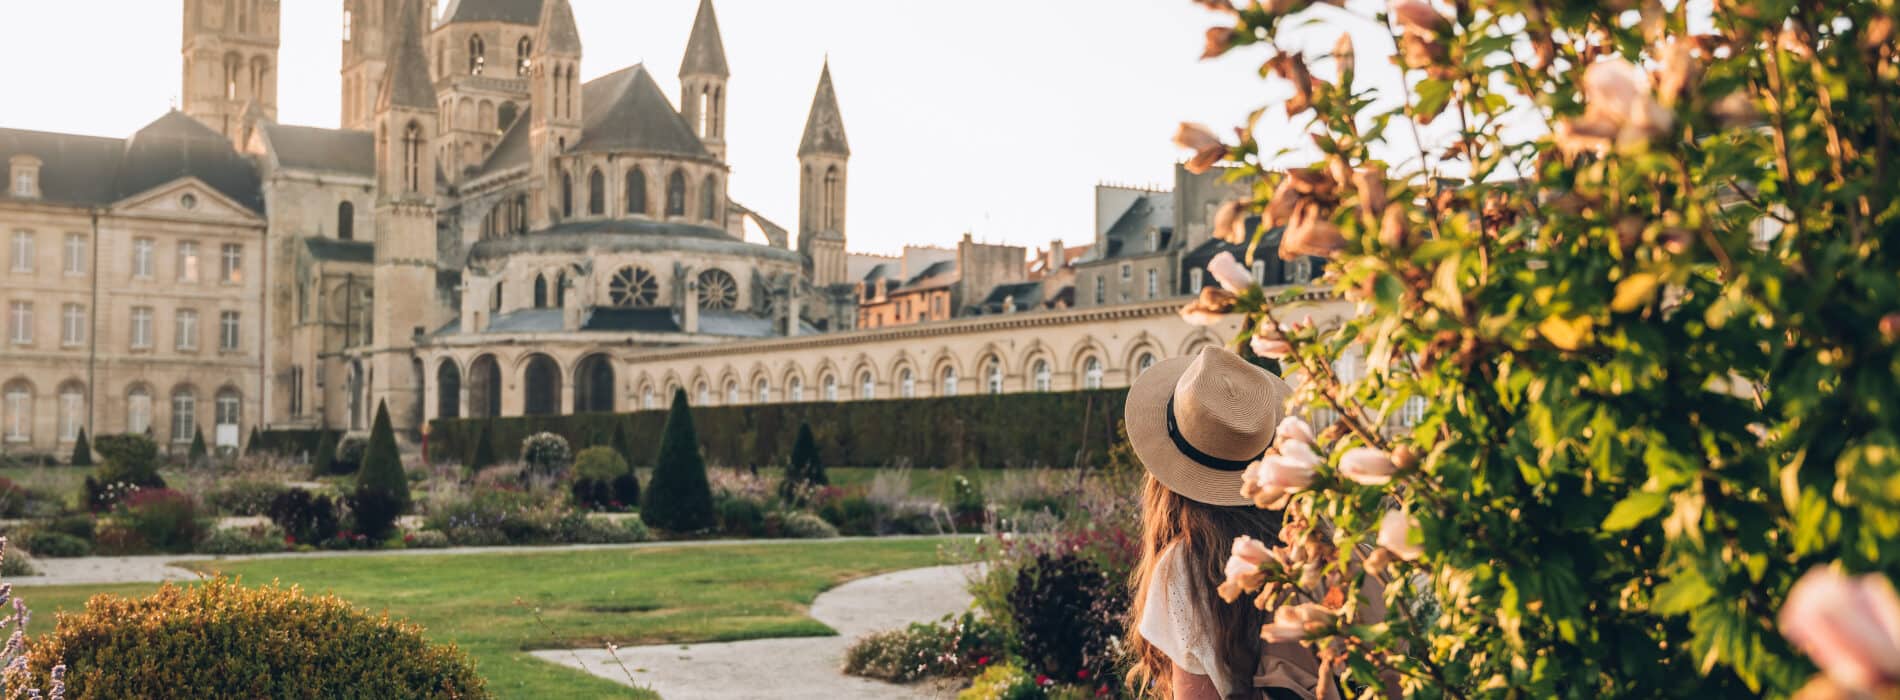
(800,667)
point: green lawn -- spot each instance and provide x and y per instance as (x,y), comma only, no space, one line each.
(587,598)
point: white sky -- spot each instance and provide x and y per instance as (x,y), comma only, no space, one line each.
(991,116)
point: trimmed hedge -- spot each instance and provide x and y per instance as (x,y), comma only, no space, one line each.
(290,443)
(1004,430)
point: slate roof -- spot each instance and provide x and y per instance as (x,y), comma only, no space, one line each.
(1027,295)
(610,318)
(325,150)
(334,250)
(513,11)
(824,127)
(527,321)
(1275,272)
(735,323)
(1128,236)
(705,51)
(881,271)
(74,169)
(514,149)
(557,35)
(942,273)
(411,86)
(626,111)
(95,171)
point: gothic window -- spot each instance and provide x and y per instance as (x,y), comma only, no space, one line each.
(346,221)
(476,59)
(540,291)
(762,392)
(560,290)
(949,381)
(412,157)
(596,193)
(232,64)
(830,387)
(732,392)
(636,191)
(1041,373)
(713,115)
(495,303)
(570,91)
(676,194)
(567,195)
(521,213)
(907,384)
(1144,362)
(993,377)
(830,210)
(717,290)
(708,199)
(524,49)
(1092,374)
(867,386)
(633,287)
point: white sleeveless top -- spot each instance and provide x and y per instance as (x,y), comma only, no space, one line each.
(1171,621)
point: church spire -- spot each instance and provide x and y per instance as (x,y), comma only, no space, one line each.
(558,36)
(408,83)
(705,51)
(824,128)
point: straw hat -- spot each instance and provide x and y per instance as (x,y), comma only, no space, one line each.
(1198,422)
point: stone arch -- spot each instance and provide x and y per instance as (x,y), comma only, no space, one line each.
(1038,357)
(1143,344)
(899,366)
(484,387)
(946,362)
(1079,370)
(992,370)
(793,384)
(755,380)
(540,385)
(646,395)
(594,384)
(699,392)
(139,397)
(861,369)
(730,391)
(448,389)
(670,384)
(1193,343)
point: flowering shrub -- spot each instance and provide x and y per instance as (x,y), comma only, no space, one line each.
(49,543)
(954,646)
(426,539)
(1003,681)
(1643,282)
(1067,617)
(244,497)
(164,519)
(255,539)
(546,454)
(305,518)
(803,525)
(220,639)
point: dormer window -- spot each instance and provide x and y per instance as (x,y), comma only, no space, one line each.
(24,178)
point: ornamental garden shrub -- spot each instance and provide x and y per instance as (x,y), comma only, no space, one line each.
(382,489)
(679,499)
(199,456)
(955,646)
(82,450)
(483,455)
(244,497)
(1068,616)
(350,451)
(802,525)
(324,462)
(805,471)
(252,539)
(131,459)
(1650,347)
(163,519)
(219,639)
(599,482)
(49,544)
(546,455)
(305,518)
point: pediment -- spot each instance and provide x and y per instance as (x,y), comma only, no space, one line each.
(186,198)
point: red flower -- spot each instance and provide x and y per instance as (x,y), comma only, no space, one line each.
(982,661)
(1102,692)
(1082,675)
(1044,680)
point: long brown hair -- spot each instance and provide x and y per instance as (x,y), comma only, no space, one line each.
(1202,537)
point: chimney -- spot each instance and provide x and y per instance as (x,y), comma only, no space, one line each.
(1058,257)
(689,307)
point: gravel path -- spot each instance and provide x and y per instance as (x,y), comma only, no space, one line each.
(160,567)
(802,667)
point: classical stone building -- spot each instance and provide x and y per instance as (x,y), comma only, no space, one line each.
(487,234)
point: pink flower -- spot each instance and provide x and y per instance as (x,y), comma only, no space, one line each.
(1367,466)
(1230,221)
(1207,147)
(1270,348)
(1395,534)
(1850,627)
(1250,551)
(1292,623)
(1619,110)
(1294,429)
(1417,17)
(1232,275)
(1288,473)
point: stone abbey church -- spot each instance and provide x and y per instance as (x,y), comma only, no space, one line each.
(489,235)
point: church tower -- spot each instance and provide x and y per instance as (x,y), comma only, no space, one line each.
(405,262)
(555,113)
(367,27)
(822,157)
(703,76)
(230,51)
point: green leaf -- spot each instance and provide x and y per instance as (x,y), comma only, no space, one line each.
(1684,593)
(1634,509)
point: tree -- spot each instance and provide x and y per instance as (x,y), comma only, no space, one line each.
(1653,343)
(198,456)
(679,499)
(805,469)
(82,450)
(382,488)
(623,444)
(251,442)
(484,456)
(320,465)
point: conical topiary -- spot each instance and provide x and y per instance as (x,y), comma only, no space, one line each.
(251,445)
(198,456)
(679,498)
(382,489)
(623,444)
(326,454)
(484,456)
(82,450)
(806,469)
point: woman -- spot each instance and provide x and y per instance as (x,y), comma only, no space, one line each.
(1196,423)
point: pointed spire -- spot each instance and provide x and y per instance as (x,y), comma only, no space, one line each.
(824,128)
(557,34)
(408,83)
(705,51)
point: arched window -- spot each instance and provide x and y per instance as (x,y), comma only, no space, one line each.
(495,304)
(708,199)
(646,399)
(949,381)
(476,57)
(830,210)
(184,414)
(540,291)
(412,157)
(559,84)
(346,221)
(524,51)
(72,410)
(762,392)
(676,194)
(636,191)
(831,388)
(993,377)
(521,213)
(867,386)
(560,290)
(732,392)
(796,389)
(138,410)
(1142,363)
(567,195)
(716,128)
(1041,372)
(232,65)
(1092,373)
(596,193)
(907,384)
(704,396)
(19,411)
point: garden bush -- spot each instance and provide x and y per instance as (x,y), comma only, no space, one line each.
(593,494)
(324,462)
(78,525)
(426,539)
(609,531)
(601,463)
(1067,617)
(117,539)
(82,450)
(350,452)
(244,497)
(626,490)
(955,646)
(741,517)
(546,455)
(805,471)
(382,489)
(497,517)
(253,539)
(165,519)
(15,562)
(852,513)
(1003,681)
(679,499)
(220,639)
(199,456)
(131,459)
(55,545)
(305,517)
(803,525)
